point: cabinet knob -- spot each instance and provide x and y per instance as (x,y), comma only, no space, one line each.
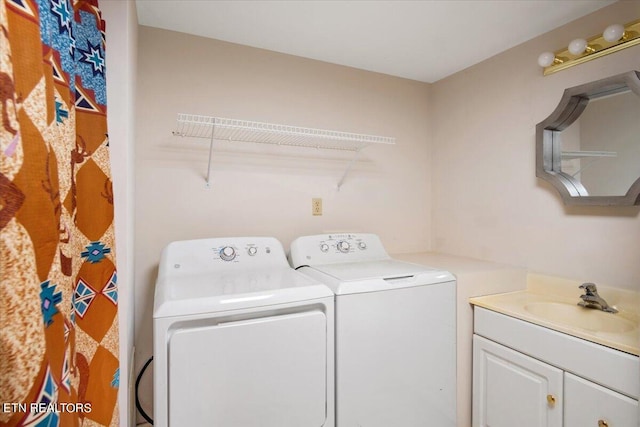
(551,399)
(603,423)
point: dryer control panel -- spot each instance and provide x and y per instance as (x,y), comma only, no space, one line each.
(202,256)
(231,251)
(335,248)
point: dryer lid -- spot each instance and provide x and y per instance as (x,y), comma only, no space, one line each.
(238,290)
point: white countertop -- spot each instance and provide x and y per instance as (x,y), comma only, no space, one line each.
(562,314)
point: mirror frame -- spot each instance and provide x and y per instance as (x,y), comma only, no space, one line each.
(548,154)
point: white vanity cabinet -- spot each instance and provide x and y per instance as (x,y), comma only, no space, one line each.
(512,389)
(588,404)
(527,375)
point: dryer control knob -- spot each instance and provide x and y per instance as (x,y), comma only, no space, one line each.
(227,253)
(362,245)
(252,251)
(324,247)
(343,246)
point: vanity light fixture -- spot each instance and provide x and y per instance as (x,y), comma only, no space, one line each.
(579,46)
(614,38)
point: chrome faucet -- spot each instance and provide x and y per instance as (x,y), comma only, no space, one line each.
(591,299)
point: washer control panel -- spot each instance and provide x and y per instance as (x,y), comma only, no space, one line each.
(342,244)
(332,248)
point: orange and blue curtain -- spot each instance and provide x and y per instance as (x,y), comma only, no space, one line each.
(58,283)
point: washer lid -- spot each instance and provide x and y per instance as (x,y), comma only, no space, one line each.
(356,277)
(385,269)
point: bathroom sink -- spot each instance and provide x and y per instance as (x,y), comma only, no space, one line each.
(575,316)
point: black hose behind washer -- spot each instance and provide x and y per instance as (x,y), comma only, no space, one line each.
(138,406)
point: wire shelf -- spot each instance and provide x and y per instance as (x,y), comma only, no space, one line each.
(190,125)
(218,128)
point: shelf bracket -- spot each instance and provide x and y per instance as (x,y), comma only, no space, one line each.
(208,184)
(349,166)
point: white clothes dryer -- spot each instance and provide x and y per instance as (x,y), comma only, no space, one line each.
(240,338)
(395,332)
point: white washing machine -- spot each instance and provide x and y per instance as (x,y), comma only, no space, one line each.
(395,332)
(240,338)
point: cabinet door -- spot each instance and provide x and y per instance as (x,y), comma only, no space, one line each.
(511,389)
(590,405)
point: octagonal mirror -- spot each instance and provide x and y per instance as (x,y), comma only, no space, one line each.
(589,147)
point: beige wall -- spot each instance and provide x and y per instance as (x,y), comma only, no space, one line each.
(461,179)
(487,202)
(266,190)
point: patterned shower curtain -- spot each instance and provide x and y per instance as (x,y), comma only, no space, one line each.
(58,293)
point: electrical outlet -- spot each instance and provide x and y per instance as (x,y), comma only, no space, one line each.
(316,206)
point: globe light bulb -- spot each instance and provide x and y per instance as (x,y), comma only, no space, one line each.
(613,33)
(545,59)
(577,46)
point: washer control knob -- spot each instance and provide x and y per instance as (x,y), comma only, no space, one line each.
(252,251)
(324,247)
(362,245)
(227,253)
(343,246)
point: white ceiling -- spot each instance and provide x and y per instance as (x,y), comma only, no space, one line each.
(420,40)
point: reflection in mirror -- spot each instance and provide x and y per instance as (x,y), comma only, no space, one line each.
(601,149)
(589,147)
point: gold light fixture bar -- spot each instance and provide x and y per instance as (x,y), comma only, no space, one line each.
(597,47)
